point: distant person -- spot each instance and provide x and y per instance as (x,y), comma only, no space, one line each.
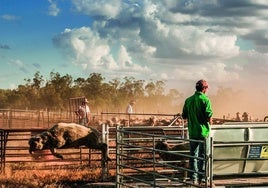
(83,113)
(129,111)
(238,118)
(245,116)
(198,113)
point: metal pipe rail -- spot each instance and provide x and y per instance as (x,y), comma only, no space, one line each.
(147,171)
(128,116)
(15,150)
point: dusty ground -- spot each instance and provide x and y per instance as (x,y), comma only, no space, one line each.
(246,181)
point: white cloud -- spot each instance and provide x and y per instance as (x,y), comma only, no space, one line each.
(257,63)
(53,10)
(9,17)
(172,40)
(123,58)
(20,65)
(83,46)
(213,45)
(12,86)
(109,9)
(215,72)
(164,76)
(196,41)
(87,49)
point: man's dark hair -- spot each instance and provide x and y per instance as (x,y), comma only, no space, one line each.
(201,84)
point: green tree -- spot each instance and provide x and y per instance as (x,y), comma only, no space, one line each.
(57,91)
(131,88)
(113,95)
(4,102)
(31,90)
(18,98)
(150,88)
(94,89)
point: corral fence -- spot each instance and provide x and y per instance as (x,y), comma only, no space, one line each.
(74,104)
(15,118)
(15,153)
(138,162)
(15,149)
(174,127)
(135,118)
(236,149)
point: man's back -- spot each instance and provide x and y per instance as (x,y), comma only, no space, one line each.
(197,110)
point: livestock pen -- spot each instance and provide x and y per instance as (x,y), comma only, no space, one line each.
(238,157)
(15,149)
(238,149)
(41,167)
(15,155)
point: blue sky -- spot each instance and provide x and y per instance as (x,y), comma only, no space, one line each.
(223,41)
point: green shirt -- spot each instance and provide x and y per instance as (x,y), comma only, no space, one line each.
(197,110)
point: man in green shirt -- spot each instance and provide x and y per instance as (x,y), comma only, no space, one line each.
(198,112)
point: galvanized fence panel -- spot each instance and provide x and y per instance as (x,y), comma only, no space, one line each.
(138,163)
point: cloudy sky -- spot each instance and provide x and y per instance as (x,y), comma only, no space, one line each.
(180,41)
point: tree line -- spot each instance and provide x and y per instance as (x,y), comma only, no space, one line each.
(109,96)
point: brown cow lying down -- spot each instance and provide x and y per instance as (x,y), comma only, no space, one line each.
(68,135)
(160,145)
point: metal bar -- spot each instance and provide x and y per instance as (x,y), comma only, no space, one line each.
(2,149)
(211,162)
(118,113)
(124,145)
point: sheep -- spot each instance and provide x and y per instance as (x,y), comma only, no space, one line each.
(161,145)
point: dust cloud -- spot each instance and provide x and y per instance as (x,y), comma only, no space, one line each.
(228,102)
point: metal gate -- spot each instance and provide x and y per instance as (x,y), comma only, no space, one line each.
(138,163)
(74,103)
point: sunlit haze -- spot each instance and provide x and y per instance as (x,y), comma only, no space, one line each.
(224,42)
